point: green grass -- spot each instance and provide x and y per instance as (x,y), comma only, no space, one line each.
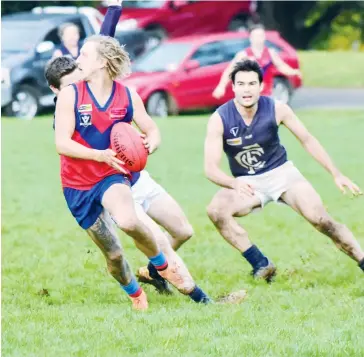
(332,69)
(315,307)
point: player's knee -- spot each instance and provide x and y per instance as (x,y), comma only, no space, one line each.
(128,224)
(184,233)
(215,213)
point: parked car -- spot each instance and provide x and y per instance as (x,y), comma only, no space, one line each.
(28,41)
(181,74)
(167,18)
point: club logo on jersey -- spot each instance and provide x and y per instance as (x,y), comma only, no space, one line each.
(234,141)
(85,120)
(118,113)
(234,130)
(250,158)
(85,108)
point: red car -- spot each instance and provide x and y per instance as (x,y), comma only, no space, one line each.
(166,18)
(181,74)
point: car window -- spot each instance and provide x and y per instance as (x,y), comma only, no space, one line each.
(53,37)
(233,46)
(209,54)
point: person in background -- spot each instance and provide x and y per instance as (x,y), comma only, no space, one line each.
(266,58)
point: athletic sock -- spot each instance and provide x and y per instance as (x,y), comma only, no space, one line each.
(159,261)
(133,289)
(199,296)
(255,257)
(153,272)
(361,264)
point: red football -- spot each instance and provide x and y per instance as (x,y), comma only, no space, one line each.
(128,145)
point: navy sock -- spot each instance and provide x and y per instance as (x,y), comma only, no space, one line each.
(199,296)
(255,257)
(153,272)
(159,261)
(132,289)
(361,264)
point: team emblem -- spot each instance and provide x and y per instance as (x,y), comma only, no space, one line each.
(234,130)
(250,158)
(85,120)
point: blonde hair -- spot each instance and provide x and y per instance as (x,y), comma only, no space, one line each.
(118,63)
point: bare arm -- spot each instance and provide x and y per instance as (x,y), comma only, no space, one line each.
(283,66)
(213,153)
(65,126)
(65,123)
(287,117)
(225,77)
(145,123)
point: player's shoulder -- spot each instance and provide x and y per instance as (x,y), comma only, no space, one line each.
(282,110)
(225,106)
(68,91)
(280,106)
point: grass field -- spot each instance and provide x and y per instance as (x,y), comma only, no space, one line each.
(58,299)
(332,69)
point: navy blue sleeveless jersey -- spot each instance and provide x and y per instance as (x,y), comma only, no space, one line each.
(253,149)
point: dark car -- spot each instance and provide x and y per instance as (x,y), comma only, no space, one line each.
(28,41)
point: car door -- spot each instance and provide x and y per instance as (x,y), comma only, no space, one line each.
(190,17)
(195,86)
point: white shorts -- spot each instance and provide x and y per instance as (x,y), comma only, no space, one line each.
(270,185)
(146,190)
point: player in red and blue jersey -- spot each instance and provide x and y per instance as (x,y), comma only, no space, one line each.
(95,182)
(93,179)
(266,58)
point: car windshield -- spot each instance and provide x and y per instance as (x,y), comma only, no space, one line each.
(20,36)
(143,4)
(165,57)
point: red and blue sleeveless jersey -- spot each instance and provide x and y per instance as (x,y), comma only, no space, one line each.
(92,129)
(266,64)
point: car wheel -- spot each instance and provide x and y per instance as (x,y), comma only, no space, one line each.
(155,36)
(25,104)
(282,90)
(239,23)
(157,105)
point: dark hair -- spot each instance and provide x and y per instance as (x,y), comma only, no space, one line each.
(57,68)
(256,27)
(247,66)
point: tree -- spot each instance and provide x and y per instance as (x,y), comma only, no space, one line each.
(300,22)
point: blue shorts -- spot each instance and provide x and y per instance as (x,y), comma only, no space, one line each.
(86,206)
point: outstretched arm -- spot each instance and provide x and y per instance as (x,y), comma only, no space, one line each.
(287,117)
(225,77)
(111,18)
(282,66)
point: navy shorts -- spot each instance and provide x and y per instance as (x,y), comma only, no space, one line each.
(86,206)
